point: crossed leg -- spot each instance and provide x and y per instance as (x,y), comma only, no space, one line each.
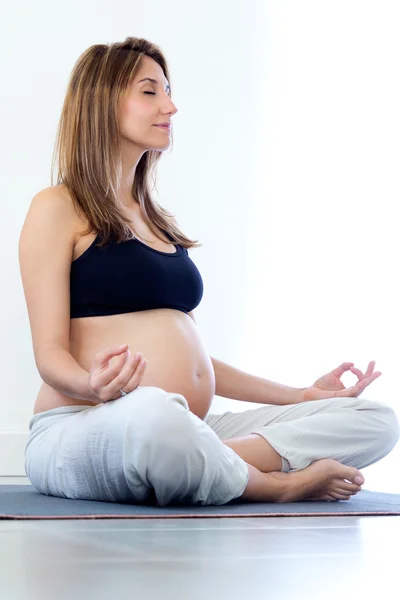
(325,479)
(321,443)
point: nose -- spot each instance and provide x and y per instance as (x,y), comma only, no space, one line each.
(171,107)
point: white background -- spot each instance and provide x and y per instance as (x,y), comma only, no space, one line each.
(285,166)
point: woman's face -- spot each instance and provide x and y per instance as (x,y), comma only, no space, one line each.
(146,105)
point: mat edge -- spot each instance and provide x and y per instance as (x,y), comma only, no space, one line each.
(196,516)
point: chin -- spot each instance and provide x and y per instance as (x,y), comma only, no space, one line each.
(162,149)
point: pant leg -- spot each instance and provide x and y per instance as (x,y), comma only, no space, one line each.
(147,444)
(353,431)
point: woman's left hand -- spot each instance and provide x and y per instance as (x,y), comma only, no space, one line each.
(330,386)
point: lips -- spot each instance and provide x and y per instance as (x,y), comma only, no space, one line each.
(163,126)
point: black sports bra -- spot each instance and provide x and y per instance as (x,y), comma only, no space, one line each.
(131,276)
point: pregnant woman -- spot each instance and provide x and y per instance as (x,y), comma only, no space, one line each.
(123,411)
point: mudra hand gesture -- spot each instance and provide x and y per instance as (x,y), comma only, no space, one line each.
(114,370)
(330,386)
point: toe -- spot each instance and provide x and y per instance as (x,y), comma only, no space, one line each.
(347,488)
(340,496)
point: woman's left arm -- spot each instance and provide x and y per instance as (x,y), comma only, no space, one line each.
(238,385)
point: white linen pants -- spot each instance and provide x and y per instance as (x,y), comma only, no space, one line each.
(149,447)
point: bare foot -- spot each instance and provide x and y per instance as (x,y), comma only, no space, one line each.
(325,479)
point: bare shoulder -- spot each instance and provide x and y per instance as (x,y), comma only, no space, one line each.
(59,197)
(59,193)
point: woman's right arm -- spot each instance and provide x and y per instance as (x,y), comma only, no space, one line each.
(45,254)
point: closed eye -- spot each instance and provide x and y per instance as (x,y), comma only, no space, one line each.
(152,93)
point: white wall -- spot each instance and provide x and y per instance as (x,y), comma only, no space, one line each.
(290,112)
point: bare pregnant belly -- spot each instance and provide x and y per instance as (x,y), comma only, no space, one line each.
(178,360)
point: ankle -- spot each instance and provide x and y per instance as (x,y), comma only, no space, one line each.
(280,486)
(264,487)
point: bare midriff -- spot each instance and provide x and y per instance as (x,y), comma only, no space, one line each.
(168,339)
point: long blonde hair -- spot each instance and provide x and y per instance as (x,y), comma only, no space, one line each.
(88,147)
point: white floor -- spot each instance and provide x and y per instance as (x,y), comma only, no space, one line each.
(200,559)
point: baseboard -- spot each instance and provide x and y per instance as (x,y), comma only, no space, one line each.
(12,453)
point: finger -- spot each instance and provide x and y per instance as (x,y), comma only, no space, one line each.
(358,373)
(125,374)
(104,356)
(367,381)
(339,371)
(370,369)
(375,376)
(353,391)
(359,387)
(367,373)
(110,381)
(108,374)
(136,377)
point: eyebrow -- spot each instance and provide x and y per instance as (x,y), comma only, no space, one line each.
(154,81)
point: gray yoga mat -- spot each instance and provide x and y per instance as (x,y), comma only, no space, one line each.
(24,502)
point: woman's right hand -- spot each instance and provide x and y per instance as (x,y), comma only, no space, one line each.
(125,373)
